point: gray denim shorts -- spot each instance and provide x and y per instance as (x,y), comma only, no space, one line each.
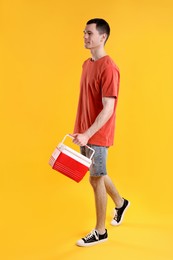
(98,166)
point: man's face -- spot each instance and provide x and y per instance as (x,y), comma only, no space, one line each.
(92,38)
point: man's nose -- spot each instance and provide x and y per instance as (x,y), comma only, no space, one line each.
(85,36)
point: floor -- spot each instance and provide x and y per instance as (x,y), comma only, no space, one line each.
(42,221)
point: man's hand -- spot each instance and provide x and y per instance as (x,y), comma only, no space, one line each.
(80,139)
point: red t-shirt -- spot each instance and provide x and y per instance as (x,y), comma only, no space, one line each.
(99,79)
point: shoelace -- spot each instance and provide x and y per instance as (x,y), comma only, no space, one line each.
(116,214)
(93,233)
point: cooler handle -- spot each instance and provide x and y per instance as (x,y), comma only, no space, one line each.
(68,135)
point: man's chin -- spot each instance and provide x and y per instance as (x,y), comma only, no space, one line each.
(87,47)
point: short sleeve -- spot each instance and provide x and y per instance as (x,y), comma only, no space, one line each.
(110,82)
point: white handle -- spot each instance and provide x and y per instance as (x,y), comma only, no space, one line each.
(68,135)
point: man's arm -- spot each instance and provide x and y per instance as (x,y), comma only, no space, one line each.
(107,111)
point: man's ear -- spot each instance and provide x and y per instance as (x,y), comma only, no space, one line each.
(104,37)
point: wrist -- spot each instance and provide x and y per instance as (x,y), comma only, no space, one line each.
(88,134)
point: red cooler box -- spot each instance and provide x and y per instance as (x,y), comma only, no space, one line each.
(70,162)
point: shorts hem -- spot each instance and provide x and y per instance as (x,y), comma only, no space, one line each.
(98,174)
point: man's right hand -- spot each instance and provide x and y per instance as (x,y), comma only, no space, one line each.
(80,139)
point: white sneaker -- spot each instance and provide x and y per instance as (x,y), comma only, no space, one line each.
(92,238)
(119,213)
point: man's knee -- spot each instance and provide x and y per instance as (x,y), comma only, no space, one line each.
(96,180)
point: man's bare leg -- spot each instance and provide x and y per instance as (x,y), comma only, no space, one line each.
(113,192)
(100,194)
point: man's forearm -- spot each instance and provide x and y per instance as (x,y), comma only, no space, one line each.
(102,118)
(100,121)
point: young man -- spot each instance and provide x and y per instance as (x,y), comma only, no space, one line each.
(95,124)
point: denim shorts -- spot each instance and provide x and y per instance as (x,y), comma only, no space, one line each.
(98,166)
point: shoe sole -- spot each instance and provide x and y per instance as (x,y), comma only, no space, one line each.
(114,223)
(91,244)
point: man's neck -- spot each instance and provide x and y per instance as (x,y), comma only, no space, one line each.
(97,54)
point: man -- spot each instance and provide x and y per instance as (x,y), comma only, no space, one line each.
(95,124)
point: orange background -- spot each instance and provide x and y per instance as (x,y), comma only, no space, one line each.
(42,212)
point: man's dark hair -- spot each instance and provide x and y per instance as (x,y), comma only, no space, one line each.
(101,25)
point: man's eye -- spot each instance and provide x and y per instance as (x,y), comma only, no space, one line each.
(88,33)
